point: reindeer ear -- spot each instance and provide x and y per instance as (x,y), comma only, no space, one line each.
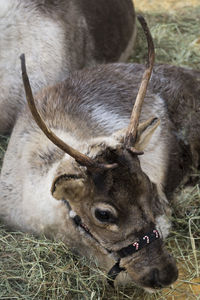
(68,187)
(144,133)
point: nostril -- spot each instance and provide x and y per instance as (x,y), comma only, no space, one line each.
(161,278)
(154,278)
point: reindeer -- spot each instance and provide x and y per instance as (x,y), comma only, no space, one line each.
(91,171)
(58,37)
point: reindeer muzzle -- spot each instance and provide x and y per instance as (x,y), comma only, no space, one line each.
(129,250)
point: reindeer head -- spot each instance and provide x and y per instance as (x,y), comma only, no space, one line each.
(110,196)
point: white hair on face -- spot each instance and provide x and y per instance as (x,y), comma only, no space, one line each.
(72,214)
(163,225)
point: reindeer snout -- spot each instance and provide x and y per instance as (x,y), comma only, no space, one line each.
(160,278)
(153,267)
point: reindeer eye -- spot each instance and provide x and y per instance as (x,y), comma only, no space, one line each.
(104,216)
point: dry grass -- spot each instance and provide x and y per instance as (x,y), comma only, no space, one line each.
(172,6)
(176,38)
(36,268)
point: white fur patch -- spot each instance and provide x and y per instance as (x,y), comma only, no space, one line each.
(5,5)
(41,208)
(24,30)
(163,225)
(109,120)
(72,214)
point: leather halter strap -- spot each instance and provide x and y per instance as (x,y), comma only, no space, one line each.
(143,241)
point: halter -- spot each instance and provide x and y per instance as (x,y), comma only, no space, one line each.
(134,247)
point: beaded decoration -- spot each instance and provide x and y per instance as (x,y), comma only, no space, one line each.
(142,242)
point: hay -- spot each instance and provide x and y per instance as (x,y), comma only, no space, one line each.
(32,268)
(176,38)
(173,6)
(36,268)
(39,269)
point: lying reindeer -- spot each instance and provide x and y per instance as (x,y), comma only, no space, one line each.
(58,36)
(105,200)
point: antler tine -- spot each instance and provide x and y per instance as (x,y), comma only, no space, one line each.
(79,157)
(131,133)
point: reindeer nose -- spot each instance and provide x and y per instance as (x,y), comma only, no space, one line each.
(153,279)
(162,278)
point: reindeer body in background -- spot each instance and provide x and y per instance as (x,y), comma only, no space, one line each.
(58,37)
(112,198)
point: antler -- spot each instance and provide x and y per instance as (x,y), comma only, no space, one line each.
(131,133)
(82,159)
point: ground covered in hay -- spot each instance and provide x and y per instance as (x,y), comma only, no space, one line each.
(36,268)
